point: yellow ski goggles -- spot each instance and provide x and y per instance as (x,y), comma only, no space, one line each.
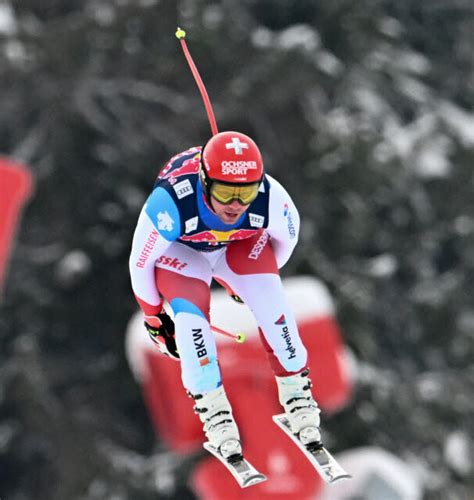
(226,193)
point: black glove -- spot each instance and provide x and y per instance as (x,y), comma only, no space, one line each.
(162,334)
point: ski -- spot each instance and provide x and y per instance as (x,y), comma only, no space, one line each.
(326,465)
(242,470)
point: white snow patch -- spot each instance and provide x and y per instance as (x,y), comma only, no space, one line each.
(432,159)
(413,88)
(7,433)
(420,145)
(298,36)
(213,16)
(464,225)
(383,265)
(429,387)
(412,62)
(398,62)
(457,452)
(329,63)
(390,27)
(262,38)
(15,51)
(72,266)
(8,25)
(459,121)
(340,123)
(465,322)
(104,14)
(369,101)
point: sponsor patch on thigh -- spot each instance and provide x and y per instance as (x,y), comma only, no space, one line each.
(252,256)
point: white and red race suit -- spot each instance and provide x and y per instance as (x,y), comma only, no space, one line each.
(180,245)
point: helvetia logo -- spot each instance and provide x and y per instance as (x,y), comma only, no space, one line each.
(289,346)
(281,320)
(285,333)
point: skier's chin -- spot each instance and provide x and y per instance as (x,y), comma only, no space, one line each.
(230,217)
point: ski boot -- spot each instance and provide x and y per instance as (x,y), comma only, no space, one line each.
(215,413)
(302,412)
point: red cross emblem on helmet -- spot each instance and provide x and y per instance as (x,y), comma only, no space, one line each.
(232,157)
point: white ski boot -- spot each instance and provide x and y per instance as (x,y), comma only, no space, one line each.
(294,394)
(215,412)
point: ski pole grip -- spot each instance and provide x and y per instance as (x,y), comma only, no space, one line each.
(238,337)
(180,33)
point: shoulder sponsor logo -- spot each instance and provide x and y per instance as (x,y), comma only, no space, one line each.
(165,222)
(147,249)
(256,220)
(183,188)
(191,224)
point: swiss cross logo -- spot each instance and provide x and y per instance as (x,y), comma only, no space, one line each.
(165,221)
(237,146)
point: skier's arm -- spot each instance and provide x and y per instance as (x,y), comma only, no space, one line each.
(284,222)
(158,226)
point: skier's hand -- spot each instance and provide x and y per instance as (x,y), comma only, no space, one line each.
(161,330)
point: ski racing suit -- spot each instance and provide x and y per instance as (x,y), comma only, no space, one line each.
(180,245)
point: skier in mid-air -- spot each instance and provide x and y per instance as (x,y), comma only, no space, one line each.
(214,213)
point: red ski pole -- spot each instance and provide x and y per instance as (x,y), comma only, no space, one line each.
(238,337)
(180,35)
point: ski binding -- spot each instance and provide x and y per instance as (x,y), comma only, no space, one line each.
(326,465)
(242,470)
